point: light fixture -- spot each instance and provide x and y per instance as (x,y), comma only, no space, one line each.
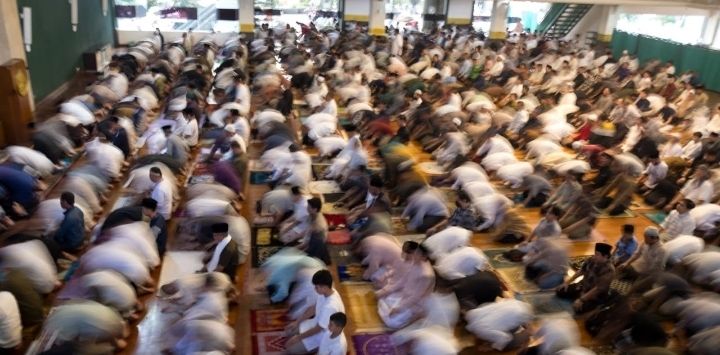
(104,7)
(27,27)
(74,14)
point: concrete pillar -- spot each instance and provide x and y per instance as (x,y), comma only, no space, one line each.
(246,16)
(376,22)
(356,11)
(11,38)
(606,23)
(459,12)
(498,19)
(710,28)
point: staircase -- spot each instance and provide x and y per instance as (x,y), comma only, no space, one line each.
(561,19)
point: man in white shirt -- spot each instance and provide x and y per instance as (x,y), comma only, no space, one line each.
(305,334)
(191,132)
(333,341)
(655,171)
(678,222)
(692,149)
(162,193)
(10,325)
(497,323)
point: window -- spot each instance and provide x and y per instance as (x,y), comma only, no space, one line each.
(168,15)
(683,29)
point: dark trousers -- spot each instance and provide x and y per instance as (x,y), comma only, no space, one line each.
(573,292)
(536,201)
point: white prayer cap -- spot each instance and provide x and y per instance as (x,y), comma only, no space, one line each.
(230,128)
(457,121)
(320,79)
(624,51)
(418,92)
(177,104)
(313,100)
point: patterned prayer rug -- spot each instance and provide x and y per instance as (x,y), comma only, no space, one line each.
(497,260)
(399,226)
(339,237)
(260,177)
(268,320)
(268,331)
(373,344)
(515,278)
(419,238)
(546,303)
(656,217)
(362,307)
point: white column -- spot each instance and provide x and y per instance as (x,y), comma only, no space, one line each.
(459,12)
(376,24)
(246,15)
(498,19)
(607,22)
(357,11)
(710,28)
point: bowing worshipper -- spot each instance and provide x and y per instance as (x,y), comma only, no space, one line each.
(512,229)
(625,246)
(176,148)
(350,158)
(20,187)
(314,240)
(567,193)
(296,171)
(648,259)
(306,333)
(536,190)
(10,324)
(34,161)
(82,324)
(161,193)
(578,222)
(333,340)
(678,221)
(147,211)
(294,227)
(399,301)
(222,143)
(426,340)
(179,295)
(70,235)
(203,336)
(106,156)
(376,201)
(597,274)
(499,323)
(547,263)
(557,333)
(662,293)
(699,189)
(477,289)
(382,256)
(223,255)
(32,257)
(106,287)
(285,268)
(116,134)
(425,209)
(29,300)
(278,204)
(616,197)
(465,215)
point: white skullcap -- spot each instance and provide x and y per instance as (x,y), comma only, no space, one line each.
(457,121)
(418,92)
(320,79)
(177,104)
(230,128)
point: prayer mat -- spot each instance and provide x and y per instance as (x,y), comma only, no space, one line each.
(626,214)
(600,349)
(351,273)
(362,307)
(334,220)
(399,226)
(268,320)
(319,169)
(322,187)
(373,344)
(177,264)
(546,303)
(269,343)
(656,217)
(339,237)
(254,284)
(576,262)
(263,236)
(262,253)
(185,238)
(497,260)
(515,278)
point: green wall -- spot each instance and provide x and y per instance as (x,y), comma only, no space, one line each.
(704,61)
(56,50)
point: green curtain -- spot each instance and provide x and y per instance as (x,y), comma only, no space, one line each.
(706,62)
